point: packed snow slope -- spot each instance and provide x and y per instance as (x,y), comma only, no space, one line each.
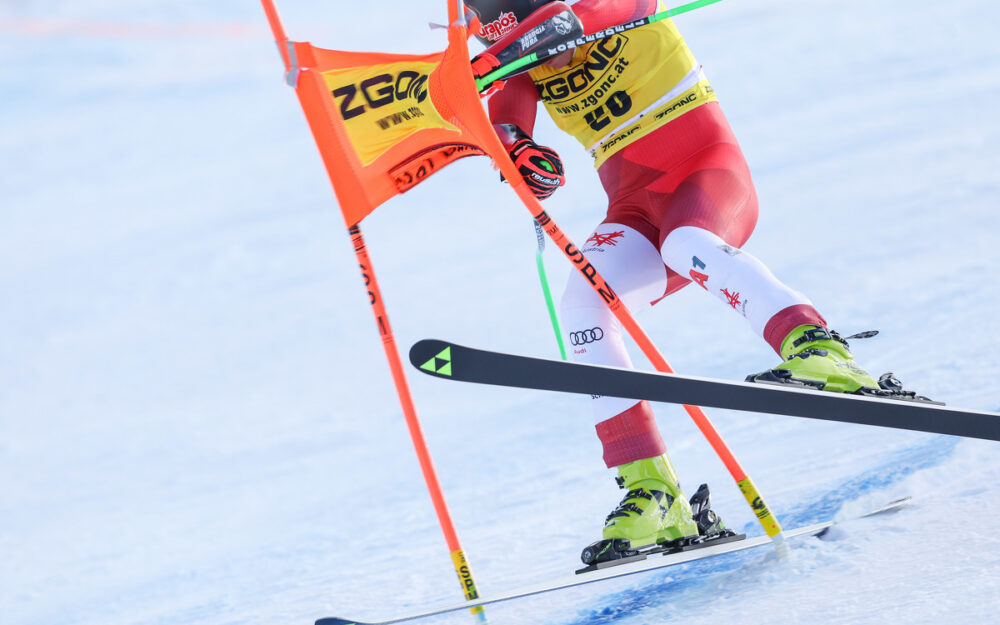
(197,425)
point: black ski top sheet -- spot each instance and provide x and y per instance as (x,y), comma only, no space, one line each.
(456,362)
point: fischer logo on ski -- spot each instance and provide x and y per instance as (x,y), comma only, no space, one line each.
(439,364)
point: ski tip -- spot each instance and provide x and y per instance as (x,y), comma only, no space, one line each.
(432,357)
(888,508)
(333,620)
(892,506)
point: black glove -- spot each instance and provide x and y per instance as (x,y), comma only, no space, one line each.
(540,167)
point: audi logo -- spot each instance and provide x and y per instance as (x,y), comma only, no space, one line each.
(586,336)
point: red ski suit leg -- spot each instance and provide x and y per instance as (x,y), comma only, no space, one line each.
(690,172)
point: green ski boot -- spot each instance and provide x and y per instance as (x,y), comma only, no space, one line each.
(654,510)
(654,517)
(816,357)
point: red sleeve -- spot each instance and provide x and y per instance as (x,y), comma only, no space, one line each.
(599,14)
(516,104)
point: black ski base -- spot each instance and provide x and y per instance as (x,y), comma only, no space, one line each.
(614,552)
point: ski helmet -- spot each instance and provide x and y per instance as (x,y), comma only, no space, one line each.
(499,17)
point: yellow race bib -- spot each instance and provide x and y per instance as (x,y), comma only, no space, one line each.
(620,88)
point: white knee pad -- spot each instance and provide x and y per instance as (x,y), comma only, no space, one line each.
(732,275)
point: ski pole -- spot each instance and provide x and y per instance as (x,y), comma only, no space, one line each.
(543,278)
(531,60)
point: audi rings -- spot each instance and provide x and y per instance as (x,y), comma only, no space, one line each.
(586,336)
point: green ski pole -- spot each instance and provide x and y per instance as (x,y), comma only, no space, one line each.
(535,58)
(543,278)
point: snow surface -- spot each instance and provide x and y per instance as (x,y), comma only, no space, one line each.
(196,421)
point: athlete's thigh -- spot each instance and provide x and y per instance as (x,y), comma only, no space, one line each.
(717,196)
(627,260)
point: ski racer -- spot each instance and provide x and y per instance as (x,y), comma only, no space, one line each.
(681,204)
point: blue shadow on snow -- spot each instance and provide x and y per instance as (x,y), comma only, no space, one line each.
(667,586)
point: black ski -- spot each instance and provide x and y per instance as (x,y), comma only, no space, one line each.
(455,362)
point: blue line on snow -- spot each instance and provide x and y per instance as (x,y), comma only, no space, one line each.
(899,465)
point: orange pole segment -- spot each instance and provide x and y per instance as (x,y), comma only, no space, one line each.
(696,413)
(623,315)
(403,390)
(461,565)
(767,520)
(468,107)
(333,142)
(279,31)
(459,100)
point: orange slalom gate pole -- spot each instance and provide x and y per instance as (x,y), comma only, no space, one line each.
(767,520)
(413,424)
(459,561)
(462,99)
(280,38)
